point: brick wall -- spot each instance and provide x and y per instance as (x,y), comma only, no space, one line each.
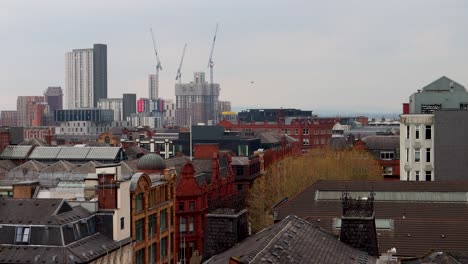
(223,231)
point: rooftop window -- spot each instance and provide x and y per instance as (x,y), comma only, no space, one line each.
(379,223)
(23,235)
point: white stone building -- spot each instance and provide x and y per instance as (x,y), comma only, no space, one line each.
(115,104)
(417,147)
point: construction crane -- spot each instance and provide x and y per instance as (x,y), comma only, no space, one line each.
(152,94)
(179,73)
(210,65)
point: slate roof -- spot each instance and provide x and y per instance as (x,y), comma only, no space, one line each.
(6,165)
(89,167)
(338,143)
(269,137)
(382,142)
(47,244)
(177,162)
(31,166)
(135,152)
(82,251)
(39,212)
(16,152)
(441,257)
(240,161)
(423,216)
(34,142)
(60,166)
(129,167)
(293,240)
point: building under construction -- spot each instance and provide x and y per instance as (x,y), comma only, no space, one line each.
(194,101)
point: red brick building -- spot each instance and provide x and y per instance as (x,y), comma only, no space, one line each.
(310,132)
(9,118)
(205,184)
(386,150)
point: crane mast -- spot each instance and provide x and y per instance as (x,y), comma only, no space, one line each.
(179,73)
(152,94)
(210,65)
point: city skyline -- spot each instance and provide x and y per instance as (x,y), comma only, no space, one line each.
(358,55)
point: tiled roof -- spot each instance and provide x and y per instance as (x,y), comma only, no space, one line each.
(293,240)
(437,222)
(15,152)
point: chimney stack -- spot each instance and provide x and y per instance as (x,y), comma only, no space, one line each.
(358,223)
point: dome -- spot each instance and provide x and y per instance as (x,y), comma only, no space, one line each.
(151,162)
(338,127)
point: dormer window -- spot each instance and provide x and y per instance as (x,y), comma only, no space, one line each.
(23,235)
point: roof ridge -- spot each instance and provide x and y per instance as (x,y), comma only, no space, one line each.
(271,240)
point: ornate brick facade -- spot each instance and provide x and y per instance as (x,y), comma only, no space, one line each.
(199,191)
(310,132)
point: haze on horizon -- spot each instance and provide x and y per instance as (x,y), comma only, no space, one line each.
(362,56)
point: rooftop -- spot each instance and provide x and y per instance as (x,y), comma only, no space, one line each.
(409,210)
(293,240)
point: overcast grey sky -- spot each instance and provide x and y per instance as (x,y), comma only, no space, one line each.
(345,55)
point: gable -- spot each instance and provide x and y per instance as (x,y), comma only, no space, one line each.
(443,84)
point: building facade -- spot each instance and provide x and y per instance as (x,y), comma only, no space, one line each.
(129,105)
(153,89)
(416,147)
(196,101)
(447,100)
(30,109)
(386,150)
(152,211)
(272,114)
(443,93)
(54,97)
(9,118)
(311,133)
(86,76)
(169,113)
(114,104)
(197,195)
(145,119)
